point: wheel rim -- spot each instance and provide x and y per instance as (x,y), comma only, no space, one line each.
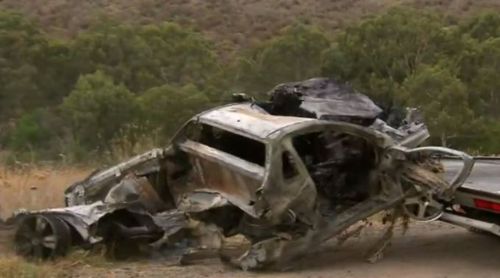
(423,208)
(42,237)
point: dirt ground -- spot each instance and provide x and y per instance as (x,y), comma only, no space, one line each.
(428,250)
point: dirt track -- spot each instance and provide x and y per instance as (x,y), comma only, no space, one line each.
(428,250)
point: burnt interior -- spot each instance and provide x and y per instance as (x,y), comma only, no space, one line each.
(228,218)
(237,145)
(340,165)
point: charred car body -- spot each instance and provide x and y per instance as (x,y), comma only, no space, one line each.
(286,174)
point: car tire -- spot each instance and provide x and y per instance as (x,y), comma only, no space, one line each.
(42,237)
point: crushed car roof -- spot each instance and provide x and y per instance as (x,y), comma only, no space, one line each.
(329,99)
(248,119)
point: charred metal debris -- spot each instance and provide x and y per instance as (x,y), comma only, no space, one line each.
(287,174)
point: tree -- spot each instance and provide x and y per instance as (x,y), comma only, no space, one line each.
(294,55)
(29,132)
(483,26)
(165,108)
(97,110)
(20,41)
(479,68)
(378,54)
(35,74)
(181,56)
(443,99)
(142,57)
(37,134)
(57,71)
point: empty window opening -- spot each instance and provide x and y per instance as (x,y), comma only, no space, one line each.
(240,146)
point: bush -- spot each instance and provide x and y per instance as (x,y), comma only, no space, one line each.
(292,56)
(97,110)
(166,108)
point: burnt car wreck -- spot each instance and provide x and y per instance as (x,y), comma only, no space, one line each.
(287,175)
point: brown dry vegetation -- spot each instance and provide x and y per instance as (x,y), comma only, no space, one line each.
(235,24)
(76,264)
(35,187)
(14,267)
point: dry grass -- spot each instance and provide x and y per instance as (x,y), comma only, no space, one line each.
(12,266)
(35,187)
(15,267)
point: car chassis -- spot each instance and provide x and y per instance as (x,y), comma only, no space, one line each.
(286,183)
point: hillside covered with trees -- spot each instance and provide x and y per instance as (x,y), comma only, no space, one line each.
(231,24)
(115,85)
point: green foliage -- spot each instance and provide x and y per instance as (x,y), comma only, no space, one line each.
(98,109)
(119,84)
(410,57)
(34,71)
(20,42)
(483,138)
(383,51)
(36,135)
(166,108)
(479,69)
(29,132)
(294,55)
(443,99)
(92,79)
(58,72)
(483,27)
(148,56)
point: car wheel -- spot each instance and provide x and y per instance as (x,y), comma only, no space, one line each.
(423,208)
(42,237)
